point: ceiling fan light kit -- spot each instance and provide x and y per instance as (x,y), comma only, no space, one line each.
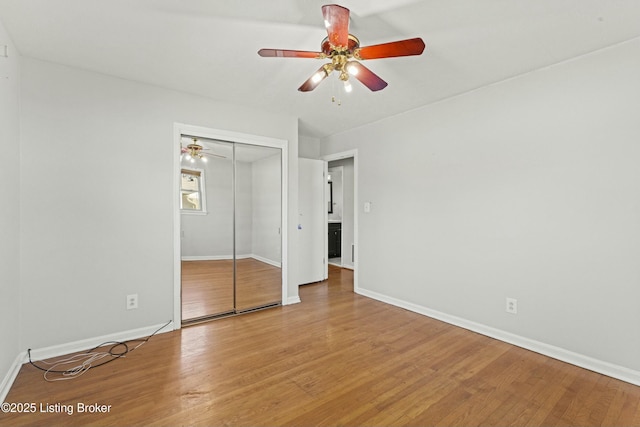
(193,151)
(344,51)
(196,151)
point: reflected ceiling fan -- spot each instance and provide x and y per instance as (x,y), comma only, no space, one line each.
(344,51)
(193,151)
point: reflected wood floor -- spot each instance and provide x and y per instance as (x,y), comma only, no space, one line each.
(335,359)
(207,286)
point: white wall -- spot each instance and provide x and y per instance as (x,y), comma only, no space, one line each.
(266,202)
(9,205)
(211,235)
(83,249)
(244,208)
(529,189)
(258,216)
(309,147)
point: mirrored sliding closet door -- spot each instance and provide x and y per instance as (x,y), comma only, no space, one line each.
(258,222)
(230,228)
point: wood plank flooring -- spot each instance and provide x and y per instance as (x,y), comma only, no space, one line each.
(335,359)
(208,286)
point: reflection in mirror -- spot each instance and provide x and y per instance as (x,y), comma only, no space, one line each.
(258,226)
(190,190)
(207,233)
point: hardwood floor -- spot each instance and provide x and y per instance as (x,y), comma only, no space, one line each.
(257,283)
(335,359)
(208,287)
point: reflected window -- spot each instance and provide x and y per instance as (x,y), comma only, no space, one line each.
(192,191)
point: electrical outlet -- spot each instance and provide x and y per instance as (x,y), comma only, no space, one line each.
(132,301)
(512,306)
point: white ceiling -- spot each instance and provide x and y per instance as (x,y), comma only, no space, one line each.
(209,47)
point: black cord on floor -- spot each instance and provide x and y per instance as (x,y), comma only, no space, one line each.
(113,351)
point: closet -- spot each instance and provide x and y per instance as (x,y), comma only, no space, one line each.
(231,225)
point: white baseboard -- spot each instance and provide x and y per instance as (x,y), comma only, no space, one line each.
(11,376)
(206,257)
(293,300)
(266,260)
(580,360)
(228,257)
(72,347)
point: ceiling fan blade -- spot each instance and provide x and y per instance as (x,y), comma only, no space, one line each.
(313,81)
(366,76)
(283,53)
(214,155)
(336,20)
(388,50)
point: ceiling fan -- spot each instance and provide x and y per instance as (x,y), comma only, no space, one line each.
(193,151)
(344,51)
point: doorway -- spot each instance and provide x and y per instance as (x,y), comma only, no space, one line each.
(344,218)
(230,224)
(338,215)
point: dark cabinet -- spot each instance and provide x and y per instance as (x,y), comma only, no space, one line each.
(335,239)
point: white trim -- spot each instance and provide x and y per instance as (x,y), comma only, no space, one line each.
(177,251)
(345,155)
(214,257)
(207,258)
(341,169)
(325,251)
(266,260)
(577,359)
(229,257)
(284,245)
(11,375)
(72,347)
(293,300)
(201,190)
(178,130)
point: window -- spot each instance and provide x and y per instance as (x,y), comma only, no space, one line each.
(192,197)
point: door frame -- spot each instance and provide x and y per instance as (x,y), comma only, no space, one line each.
(341,168)
(180,129)
(339,156)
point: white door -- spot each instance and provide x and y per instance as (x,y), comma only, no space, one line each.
(312,221)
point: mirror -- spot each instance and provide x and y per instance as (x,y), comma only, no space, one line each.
(231,223)
(258,226)
(207,235)
(190,190)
